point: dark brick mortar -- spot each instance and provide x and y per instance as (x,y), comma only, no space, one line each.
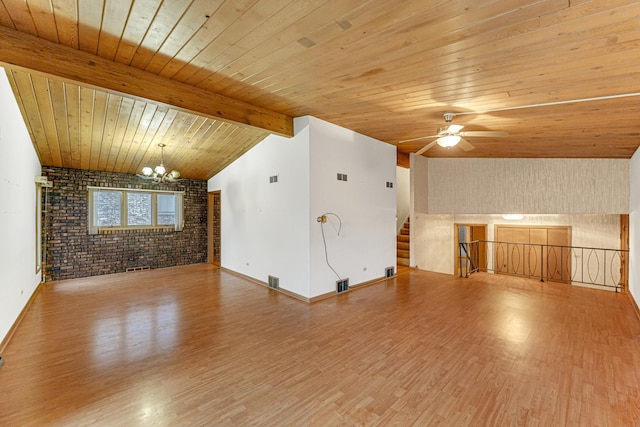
(71,252)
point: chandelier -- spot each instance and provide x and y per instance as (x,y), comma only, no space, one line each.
(159,174)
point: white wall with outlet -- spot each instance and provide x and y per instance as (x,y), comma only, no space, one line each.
(366,244)
(265,228)
(272,228)
(19,166)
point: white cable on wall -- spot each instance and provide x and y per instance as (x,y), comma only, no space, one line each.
(322,219)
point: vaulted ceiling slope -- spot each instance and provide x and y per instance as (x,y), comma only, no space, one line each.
(102,82)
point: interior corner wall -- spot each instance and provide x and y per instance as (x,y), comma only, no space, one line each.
(433,242)
(403,192)
(418,189)
(634,226)
(366,205)
(19,166)
(265,227)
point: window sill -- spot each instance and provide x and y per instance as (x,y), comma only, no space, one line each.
(126,230)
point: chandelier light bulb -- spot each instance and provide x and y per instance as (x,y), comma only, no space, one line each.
(160,169)
(147,171)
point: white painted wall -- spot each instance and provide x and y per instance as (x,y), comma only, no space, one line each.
(634,226)
(367,242)
(272,229)
(19,166)
(265,227)
(403,195)
(432,243)
(419,173)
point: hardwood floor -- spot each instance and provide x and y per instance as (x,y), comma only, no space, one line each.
(196,346)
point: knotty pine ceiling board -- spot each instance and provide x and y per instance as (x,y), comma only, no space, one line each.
(387,70)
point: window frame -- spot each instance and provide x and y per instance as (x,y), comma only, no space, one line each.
(124,226)
(38,228)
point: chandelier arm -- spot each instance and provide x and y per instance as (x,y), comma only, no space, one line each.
(159,174)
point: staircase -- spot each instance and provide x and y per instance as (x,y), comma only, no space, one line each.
(402,251)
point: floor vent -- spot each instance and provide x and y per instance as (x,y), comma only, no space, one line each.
(146,267)
(389,272)
(274,282)
(342,286)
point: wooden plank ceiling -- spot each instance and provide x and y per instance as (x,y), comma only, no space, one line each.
(386,69)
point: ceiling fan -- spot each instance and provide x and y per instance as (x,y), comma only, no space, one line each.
(450,136)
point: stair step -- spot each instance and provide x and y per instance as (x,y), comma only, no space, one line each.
(402,261)
(403,238)
(403,245)
(402,253)
(404,231)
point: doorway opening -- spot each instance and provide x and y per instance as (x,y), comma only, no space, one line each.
(466,233)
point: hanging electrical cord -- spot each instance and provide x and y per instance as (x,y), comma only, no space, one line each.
(322,219)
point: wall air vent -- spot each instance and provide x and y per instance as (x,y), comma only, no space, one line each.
(389,184)
(273,179)
(342,286)
(274,282)
(144,267)
(389,272)
(342,177)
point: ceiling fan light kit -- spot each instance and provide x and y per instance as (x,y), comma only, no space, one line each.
(159,174)
(449,141)
(449,136)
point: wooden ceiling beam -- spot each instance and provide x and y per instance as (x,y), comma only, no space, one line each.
(40,56)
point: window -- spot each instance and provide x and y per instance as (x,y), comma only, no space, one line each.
(128,209)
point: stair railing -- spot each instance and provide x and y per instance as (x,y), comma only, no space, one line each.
(585,265)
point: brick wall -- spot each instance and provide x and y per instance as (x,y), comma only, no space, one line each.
(72,252)
(217,226)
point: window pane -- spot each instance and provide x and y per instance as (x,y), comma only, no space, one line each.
(138,208)
(166,209)
(107,212)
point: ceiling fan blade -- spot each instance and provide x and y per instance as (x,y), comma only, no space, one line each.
(425,148)
(465,145)
(485,133)
(418,139)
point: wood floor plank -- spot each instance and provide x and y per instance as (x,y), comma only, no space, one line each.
(197,346)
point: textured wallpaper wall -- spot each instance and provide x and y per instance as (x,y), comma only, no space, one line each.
(534,186)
